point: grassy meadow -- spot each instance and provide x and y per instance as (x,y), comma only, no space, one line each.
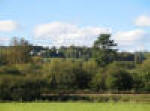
(74,107)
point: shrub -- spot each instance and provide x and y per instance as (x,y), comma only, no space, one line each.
(9,69)
(118,79)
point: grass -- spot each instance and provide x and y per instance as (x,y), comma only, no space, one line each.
(74,107)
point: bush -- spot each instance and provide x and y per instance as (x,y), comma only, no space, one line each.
(142,77)
(98,81)
(118,79)
(9,69)
(19,88)
(61,74)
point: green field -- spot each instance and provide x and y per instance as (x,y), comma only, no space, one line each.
(74,107)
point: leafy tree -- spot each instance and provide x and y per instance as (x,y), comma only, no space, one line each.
(62,73)
(98,81)
(118,78)
(91,67)
(19,51)
(143,72)
(82,76)
(3,56)
(104,51)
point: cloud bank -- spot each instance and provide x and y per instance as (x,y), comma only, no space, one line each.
(59,33)
(131,40)
(8,25)
(4,40)
(143,21)
(66,34)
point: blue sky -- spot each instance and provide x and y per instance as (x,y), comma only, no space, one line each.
(65,22)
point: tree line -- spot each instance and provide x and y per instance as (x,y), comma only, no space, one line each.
(27,71)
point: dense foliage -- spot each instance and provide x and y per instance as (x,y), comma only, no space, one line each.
(27,72)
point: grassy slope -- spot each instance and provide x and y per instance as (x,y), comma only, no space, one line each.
(74,107)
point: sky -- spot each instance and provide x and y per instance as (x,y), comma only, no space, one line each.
(76,22)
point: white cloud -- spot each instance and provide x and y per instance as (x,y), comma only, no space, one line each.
(129,37)
(131,40)
(59,33)
(7,25)
(143,21)
(4,40)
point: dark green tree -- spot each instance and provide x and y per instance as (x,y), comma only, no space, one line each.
(104,51)
(118,78)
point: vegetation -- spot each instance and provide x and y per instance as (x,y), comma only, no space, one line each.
(28,72)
